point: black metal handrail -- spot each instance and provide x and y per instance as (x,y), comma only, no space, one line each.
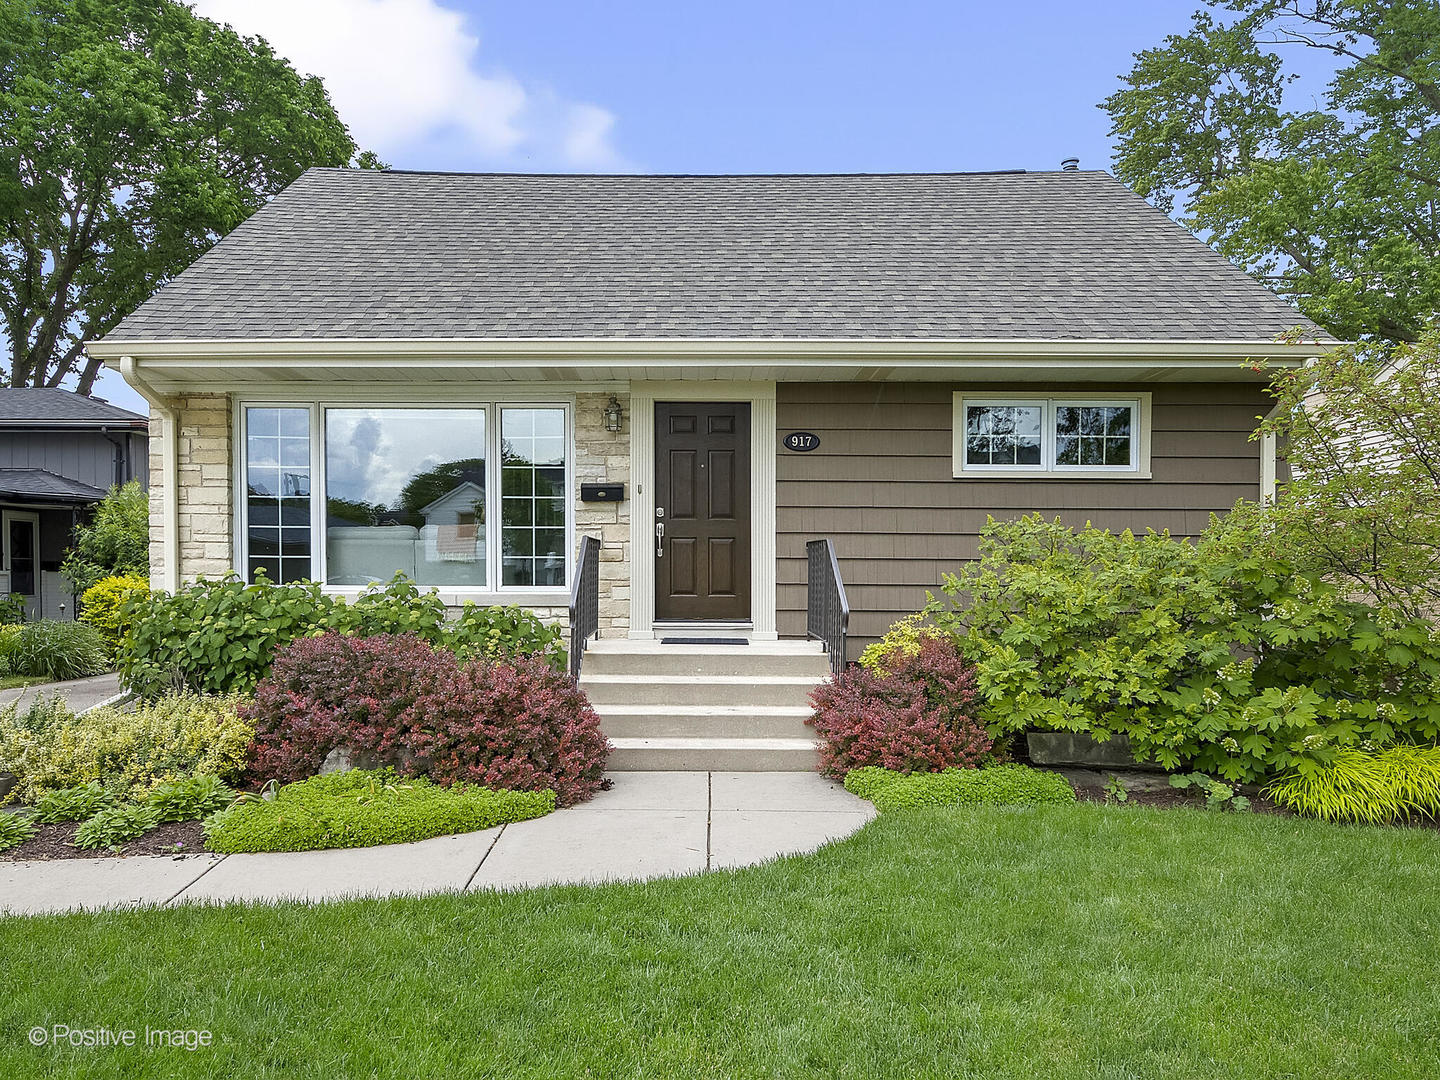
(827,611)
(584,601)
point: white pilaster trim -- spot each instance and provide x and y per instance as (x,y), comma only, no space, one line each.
(761,396)
(1268,468)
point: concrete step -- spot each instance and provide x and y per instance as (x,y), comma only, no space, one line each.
(699,689)
(705,721)
(713,755)
(623,657)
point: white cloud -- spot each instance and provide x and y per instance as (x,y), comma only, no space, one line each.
(405,75)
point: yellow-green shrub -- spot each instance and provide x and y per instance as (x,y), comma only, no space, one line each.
(129,752)
(9,636)
(1371,786)
(102,607)
(902,639)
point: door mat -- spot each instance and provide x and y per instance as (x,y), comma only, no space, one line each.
(703,641)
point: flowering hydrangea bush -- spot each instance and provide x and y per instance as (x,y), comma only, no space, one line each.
(1215,656)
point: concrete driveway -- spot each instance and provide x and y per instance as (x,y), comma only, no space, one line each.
(650,824)
(79,694)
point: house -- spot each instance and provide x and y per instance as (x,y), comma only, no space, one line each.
(59,454)
(882,361)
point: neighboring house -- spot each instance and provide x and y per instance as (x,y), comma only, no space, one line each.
(942,348)
(59,454)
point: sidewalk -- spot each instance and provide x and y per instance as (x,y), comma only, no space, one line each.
(79,694)
(650,824)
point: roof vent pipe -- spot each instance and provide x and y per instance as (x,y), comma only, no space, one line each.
(1070,164)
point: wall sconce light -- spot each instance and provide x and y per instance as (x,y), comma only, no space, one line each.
(613,414)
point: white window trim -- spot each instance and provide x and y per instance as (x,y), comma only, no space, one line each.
(493,592)
(1047,468)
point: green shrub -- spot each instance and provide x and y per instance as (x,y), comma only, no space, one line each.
(214,637)
(15,829)
(220,636)
(112,827)
(12,609)
(55,651)
(103,607)
(9,635)
(1218,794)
(190,799)
(996,785)
(499,632)
(1371,786)
(73,803)
(127,751)
(503,633)
(116,539)
(362,809)
(1206,656)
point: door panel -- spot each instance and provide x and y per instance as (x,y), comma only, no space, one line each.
(702,498)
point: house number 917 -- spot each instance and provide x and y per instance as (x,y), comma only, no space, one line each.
(801,440)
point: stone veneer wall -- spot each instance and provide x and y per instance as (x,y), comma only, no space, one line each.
(206,513)
(205,488)
(604,457)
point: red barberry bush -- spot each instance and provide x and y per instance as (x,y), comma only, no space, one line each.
(913,713)
(393,699)
(516,724)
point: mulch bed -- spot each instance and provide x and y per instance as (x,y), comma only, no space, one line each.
(56,842)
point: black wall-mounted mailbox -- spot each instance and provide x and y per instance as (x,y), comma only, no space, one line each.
(602,492)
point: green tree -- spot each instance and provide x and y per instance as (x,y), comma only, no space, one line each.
(1336,207)
(1363,507)
(133,134)
(116,539)
(424,488)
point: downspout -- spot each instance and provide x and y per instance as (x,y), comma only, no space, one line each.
(119,457)
(169,471)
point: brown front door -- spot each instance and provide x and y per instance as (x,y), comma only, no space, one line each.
(702,510)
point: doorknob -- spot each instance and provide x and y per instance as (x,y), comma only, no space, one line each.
(659,539)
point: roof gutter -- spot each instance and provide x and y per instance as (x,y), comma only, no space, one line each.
(169,470)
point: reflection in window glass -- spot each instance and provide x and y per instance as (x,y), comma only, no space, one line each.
(532,488)
(1002,434)
(1093,435)
(405,490)
(277,493)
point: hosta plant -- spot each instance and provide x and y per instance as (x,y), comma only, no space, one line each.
(74,803)
(190,799)
(115,826)
(15,829)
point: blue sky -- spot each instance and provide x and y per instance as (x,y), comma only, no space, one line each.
(742,86)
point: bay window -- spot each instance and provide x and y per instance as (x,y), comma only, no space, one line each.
(469,497)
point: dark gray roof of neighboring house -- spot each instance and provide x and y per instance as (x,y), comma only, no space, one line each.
(1040,256)
(45,407)
(46,486)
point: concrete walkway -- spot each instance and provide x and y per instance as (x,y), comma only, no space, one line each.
(79,694)
(650,824)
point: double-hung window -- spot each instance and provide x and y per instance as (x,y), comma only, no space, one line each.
(469,497)
(1018,435)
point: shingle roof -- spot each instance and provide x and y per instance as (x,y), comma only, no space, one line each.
(39,484)
(30,406)
(1051,255)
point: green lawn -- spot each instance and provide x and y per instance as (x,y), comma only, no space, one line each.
(1080,941)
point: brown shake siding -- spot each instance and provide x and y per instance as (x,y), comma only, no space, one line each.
(880,485)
